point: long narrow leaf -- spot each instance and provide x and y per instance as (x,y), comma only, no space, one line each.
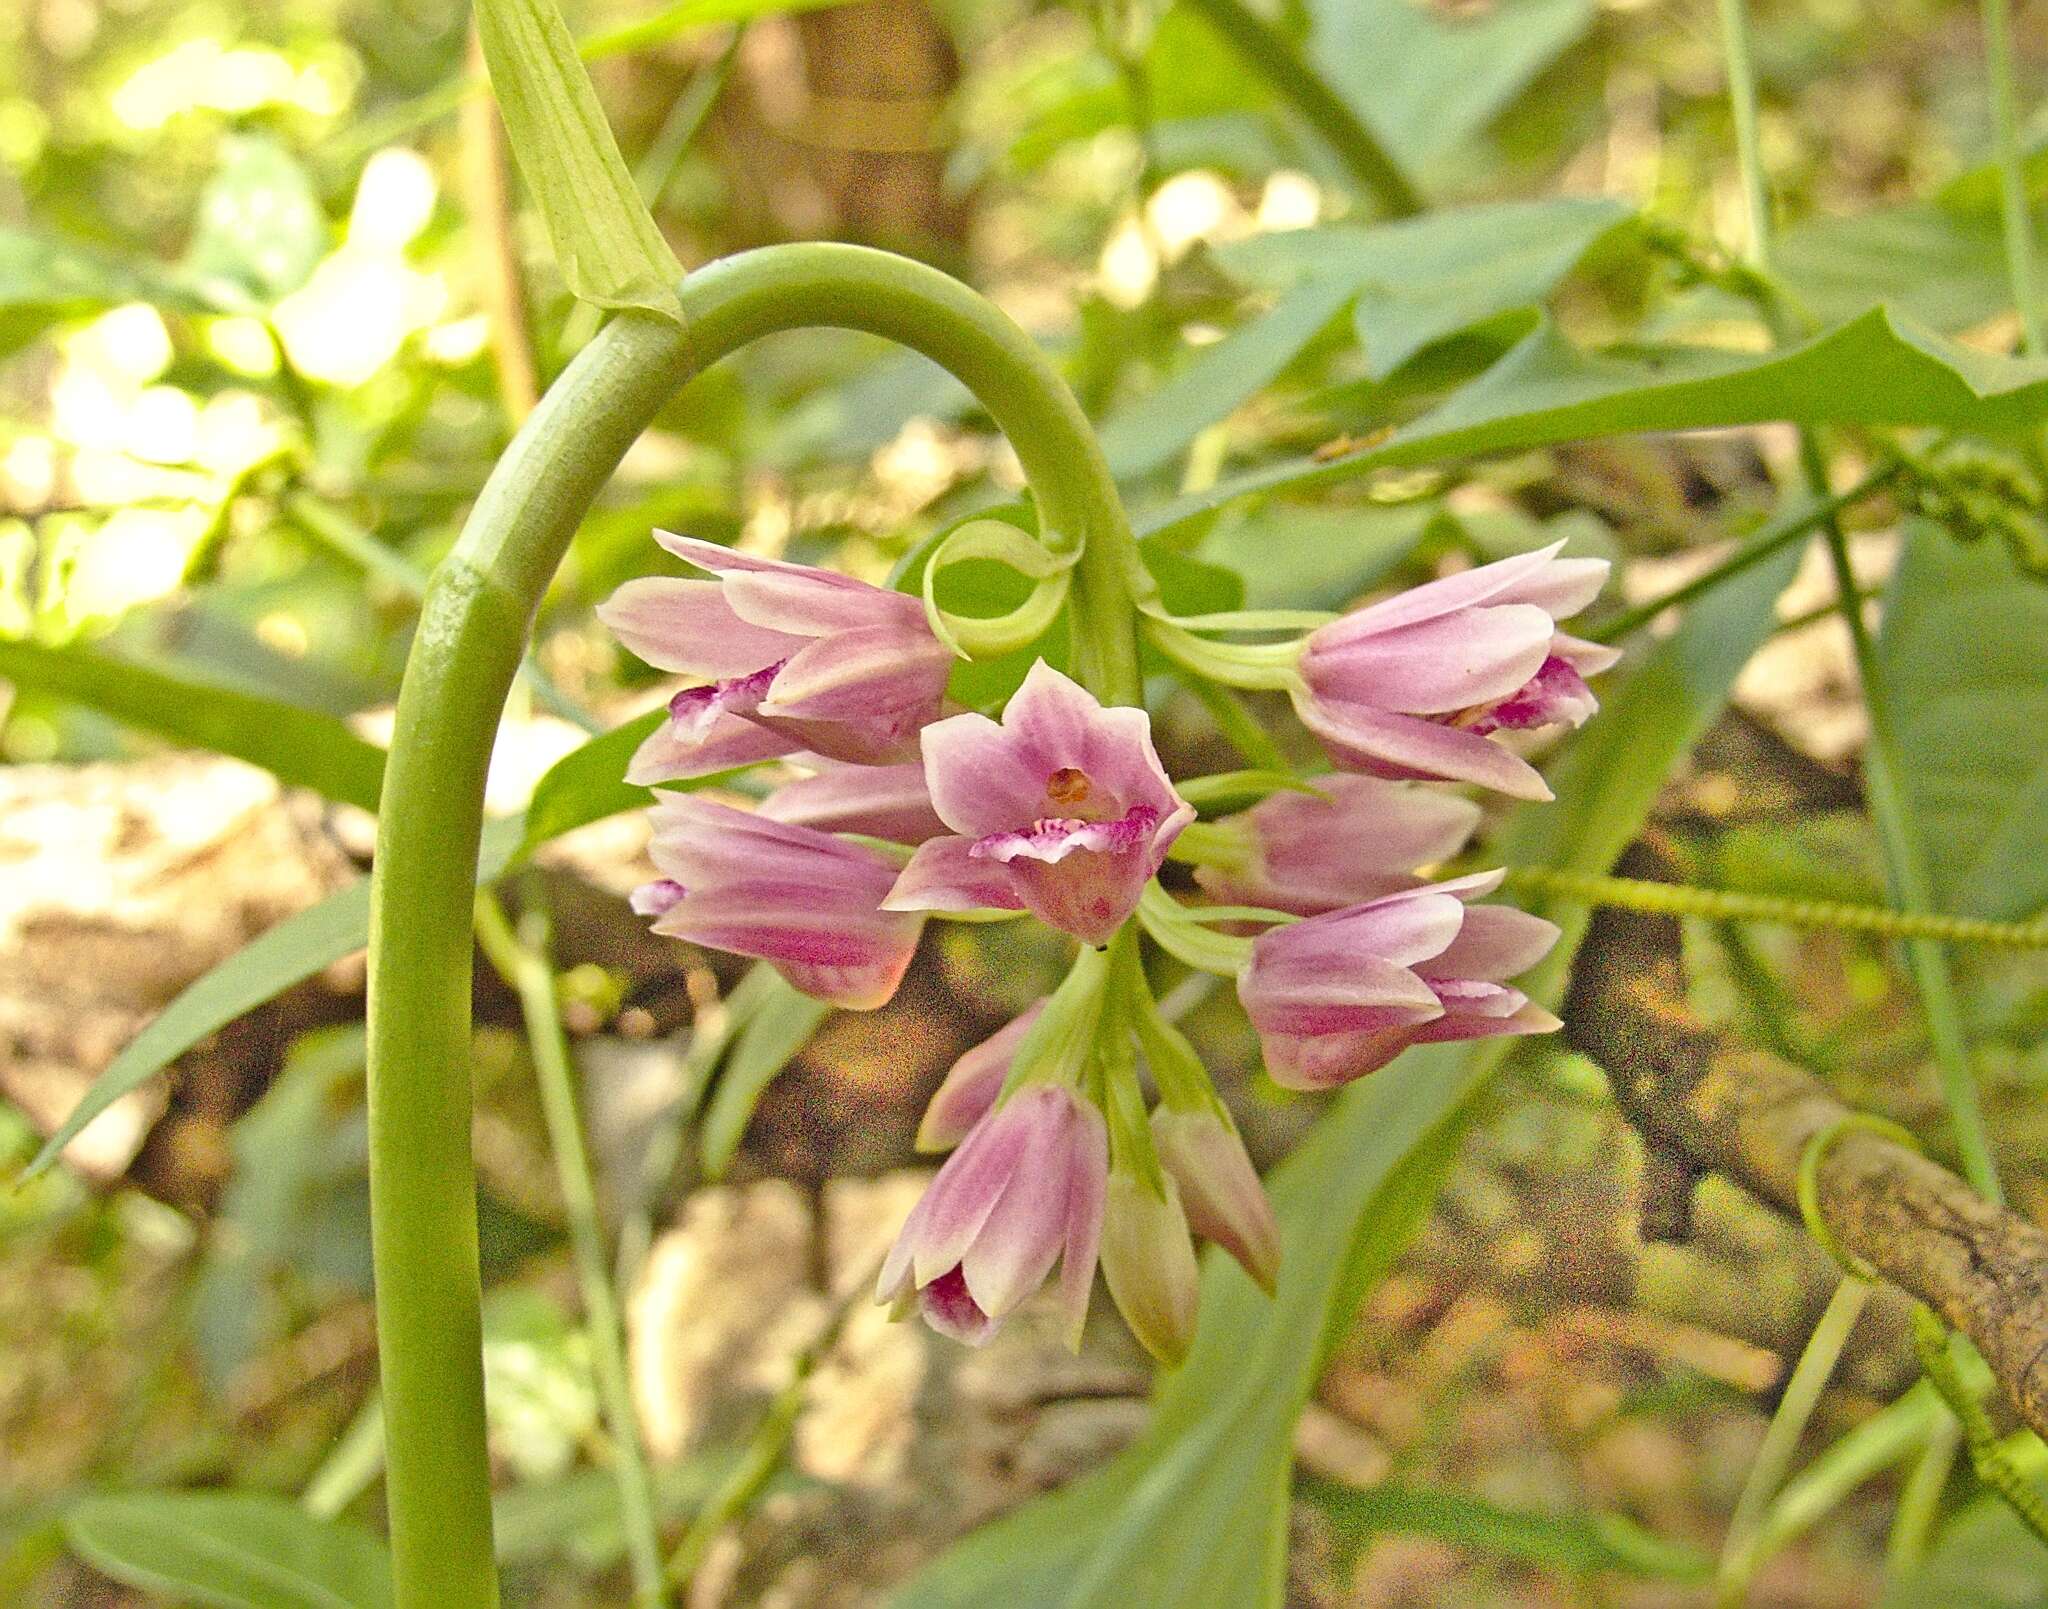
(297,746)
(610,252)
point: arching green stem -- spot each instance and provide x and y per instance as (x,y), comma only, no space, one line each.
(473,629)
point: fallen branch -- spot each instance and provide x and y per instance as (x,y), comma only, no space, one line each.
(1703,1104)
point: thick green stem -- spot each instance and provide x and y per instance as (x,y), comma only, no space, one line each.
(1273,57)
(521,959)
(473,629)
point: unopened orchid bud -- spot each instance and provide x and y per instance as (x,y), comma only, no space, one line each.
(1148,1262)
(1355,838)
(1219,1187)
(804,901)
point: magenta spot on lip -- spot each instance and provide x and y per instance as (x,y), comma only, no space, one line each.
(1538,702)
(656,898)
(737,693)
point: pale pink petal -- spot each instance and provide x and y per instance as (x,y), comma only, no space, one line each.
(1496,942)
(1087,1182)
(687,626)
(1402,747)
(672,755)
(971,1085)
(1328,1060)
(1587,658)
(852,674)
(963,1193)
(881,801)
(1561,588)
(980,781)
(1061,726)
(1435,667)
(1502,579)
(1021,1237)
(944,875)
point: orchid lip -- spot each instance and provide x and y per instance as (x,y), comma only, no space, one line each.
(1052,838)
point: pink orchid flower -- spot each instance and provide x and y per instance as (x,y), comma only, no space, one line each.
(1024,1190)
(1338,996)
(1363,838)
(1062,810)
(802,900)
(972,1085)
(791,657)
(1414,685)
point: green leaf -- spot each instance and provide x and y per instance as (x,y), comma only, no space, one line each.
(1426,81)
(610,252)
(297,746)
(1196,1510)
(1220,377)
(1965,679)
(1878,369)
(1985,1557)
(235,1550)
(260,230)
(589,783)
(1419,280)
(781,1022)
(1316,558)
(1577,1542)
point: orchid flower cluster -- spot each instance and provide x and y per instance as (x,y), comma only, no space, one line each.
(1313,899)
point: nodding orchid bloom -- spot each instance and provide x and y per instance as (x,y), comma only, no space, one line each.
(804,901)
(1415,685)
(1337,996)
(1353,839)
(1025,1190)
(1219,1188)
(790,657)
(1062,810)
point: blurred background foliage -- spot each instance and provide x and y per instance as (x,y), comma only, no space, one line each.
(270,305)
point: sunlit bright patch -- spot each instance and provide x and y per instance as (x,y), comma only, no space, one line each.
(394,201)
(204,74)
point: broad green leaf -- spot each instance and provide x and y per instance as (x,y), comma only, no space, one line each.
(1940,260)
(1195,1511)
(1419,280)
(260,230)
(1571,1540)
(589,783)
(297,746)
(781,1022)
(1427,80)
(1984,1558)
(235,1550)
(1220,377)
(1316,558)
(610,252)
(1963,662)
(1878,369)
